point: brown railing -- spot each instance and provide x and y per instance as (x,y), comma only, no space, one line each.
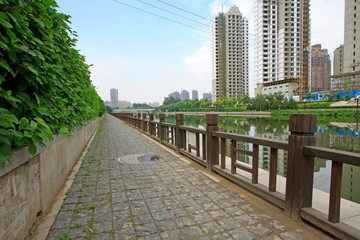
(209,151)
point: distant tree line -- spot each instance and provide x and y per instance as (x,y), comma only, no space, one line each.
(242,103)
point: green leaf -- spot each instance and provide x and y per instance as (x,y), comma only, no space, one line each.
(32,149)
(5,23)
(39,55)
(5,148)
(33,124)
(20,141)
(24,123)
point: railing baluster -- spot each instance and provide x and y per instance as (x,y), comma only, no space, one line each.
(273,169)
(233,156)
(255,164)
(204,146)
(335,191)
(222,160)
(197,145)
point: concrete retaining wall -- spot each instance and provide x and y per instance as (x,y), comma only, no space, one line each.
(29,184)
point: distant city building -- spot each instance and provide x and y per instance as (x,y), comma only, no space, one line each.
(349,79)
(194,95)
(320,69)
(207,96)
(114,97)
(175,94)
(282,47)
(338,67)
(230,47)
(124,104)
(155,104)
(184,95)
(107,103)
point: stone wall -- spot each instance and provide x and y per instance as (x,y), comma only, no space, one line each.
(29,184)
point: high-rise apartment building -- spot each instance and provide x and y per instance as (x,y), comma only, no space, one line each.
(114,97)
(184,95)
(194,94)
(352,36)
(282,46)
(338,67)
(175,94)
(230,45)
(207,96)
(349,78)
(320,69)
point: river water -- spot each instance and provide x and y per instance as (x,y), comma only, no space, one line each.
(343,136)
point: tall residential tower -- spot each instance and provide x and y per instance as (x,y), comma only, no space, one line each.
(320,69)
(114,97)
(349,78)
(282,46)
(230,46)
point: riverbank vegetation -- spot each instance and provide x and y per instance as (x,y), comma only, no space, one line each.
(279,106)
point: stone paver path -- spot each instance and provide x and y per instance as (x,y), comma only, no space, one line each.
(162,199)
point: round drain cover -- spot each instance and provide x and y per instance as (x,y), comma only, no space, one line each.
(139,158)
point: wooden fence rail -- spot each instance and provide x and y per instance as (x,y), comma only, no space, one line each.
(209,151)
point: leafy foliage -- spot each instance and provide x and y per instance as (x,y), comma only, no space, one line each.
(171,100)
(45,85)
(187,105)
(141,106)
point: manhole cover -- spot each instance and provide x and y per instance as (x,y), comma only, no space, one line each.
(139,158)
(149,158)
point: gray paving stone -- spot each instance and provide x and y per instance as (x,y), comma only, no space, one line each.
(160,216)
(172,235)
(211,227)
(185,221)
(291,236)
(202,218)
(241,233)
(145,229)
(229,223)
(166,225)
(259,230)
(192,232)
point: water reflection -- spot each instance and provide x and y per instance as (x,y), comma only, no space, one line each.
(342,136)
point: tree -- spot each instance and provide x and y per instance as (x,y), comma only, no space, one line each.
(108,109)
(170,100)
(308,96)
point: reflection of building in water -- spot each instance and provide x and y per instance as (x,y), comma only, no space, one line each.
(350,187)
(264,152)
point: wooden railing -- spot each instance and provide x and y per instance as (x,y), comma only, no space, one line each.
(209,151)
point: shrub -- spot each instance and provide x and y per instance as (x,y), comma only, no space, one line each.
(45,86)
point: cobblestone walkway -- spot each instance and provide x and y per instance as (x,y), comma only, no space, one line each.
(162,199)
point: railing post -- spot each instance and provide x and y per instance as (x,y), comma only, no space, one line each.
(161,128)
(151,126)
(212,145)
(178,132)
(143,122)
(139,121)
(300,168)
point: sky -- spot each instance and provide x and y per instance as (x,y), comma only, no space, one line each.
(146,57)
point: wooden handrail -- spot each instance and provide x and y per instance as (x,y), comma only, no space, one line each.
(254,140)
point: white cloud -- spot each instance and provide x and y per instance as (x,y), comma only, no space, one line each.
(197,69)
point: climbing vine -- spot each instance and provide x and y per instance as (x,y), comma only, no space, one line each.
(45,85)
